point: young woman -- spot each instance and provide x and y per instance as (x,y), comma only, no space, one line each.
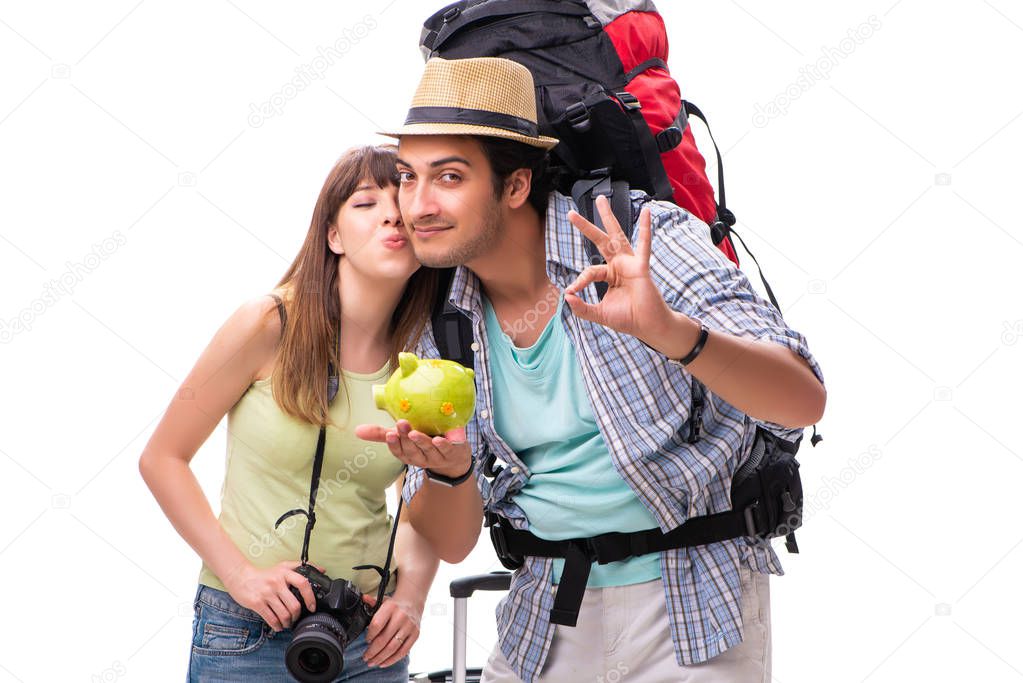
(353,297)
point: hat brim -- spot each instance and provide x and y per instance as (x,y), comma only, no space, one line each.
(469,129)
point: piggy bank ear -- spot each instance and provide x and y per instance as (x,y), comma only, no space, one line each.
(408,363)
(470,373)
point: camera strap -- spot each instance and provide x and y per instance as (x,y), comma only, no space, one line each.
(314,487)
(310,514)
(333,384)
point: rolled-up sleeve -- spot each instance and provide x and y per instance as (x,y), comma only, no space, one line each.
(699,281)
(413,482)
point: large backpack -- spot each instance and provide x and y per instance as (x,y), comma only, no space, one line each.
(604,91)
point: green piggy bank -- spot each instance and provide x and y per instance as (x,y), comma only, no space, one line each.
(435,396)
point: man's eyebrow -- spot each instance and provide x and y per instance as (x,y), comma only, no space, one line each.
(438,162)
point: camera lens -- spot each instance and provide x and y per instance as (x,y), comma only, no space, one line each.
(313,661)
(315,654)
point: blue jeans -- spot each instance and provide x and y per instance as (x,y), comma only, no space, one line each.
(232,643)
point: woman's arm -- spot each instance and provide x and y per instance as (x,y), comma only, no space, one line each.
(402,613)
(224,371)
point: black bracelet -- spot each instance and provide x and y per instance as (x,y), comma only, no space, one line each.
(451,481)
(704,333)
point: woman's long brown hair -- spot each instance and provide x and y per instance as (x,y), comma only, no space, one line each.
(309,289)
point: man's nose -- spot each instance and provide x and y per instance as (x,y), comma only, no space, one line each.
(417,203)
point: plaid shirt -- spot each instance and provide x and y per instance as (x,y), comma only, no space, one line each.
(641,403)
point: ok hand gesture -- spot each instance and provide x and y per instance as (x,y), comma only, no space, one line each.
(632,305)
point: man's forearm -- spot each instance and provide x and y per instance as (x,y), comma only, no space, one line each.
(449,518)
(763,379)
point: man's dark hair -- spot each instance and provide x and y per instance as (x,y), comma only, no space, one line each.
(506,156)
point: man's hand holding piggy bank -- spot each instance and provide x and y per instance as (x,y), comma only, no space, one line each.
(431,402)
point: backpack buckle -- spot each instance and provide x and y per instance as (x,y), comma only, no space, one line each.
(497,538)
(628,100)
(718,231)
(578,116)
(594,548)
(668,139)
(695,424)
(749,513)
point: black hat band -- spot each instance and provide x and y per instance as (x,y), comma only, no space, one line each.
(474,117)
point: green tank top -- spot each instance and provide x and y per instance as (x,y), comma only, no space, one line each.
(269,467)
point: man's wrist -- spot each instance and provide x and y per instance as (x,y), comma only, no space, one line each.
(448,478)
(676,337)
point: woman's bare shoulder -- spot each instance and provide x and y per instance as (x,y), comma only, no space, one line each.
(253,332)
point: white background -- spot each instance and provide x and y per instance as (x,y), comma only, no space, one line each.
(883,205)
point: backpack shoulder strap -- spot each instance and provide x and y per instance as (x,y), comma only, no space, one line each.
(281,311)
(452,329)
(585,193)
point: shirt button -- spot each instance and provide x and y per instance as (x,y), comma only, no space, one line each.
(484,414)
(474,346)
(515,470)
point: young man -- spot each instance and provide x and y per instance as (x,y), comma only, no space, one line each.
(584,401)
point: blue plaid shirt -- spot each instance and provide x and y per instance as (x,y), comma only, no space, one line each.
(642,405)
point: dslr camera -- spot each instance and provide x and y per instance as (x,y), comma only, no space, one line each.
(319,639)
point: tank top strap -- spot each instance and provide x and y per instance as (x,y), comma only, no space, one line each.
(281,311)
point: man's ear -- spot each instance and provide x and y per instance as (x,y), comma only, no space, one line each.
(334,239)
(517,186)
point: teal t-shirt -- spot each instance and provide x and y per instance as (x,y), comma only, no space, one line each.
(542,411)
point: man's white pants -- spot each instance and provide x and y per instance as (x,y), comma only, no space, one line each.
(623,635)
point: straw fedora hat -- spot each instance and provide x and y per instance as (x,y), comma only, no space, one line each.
(478,96)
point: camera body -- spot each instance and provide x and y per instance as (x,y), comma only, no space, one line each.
(316,651)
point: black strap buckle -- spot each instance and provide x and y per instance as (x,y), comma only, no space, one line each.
(578,116)
(695,424)
(668,139)
(500,542)
(750,515)
(628,100)
(614,546)
(594,549)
